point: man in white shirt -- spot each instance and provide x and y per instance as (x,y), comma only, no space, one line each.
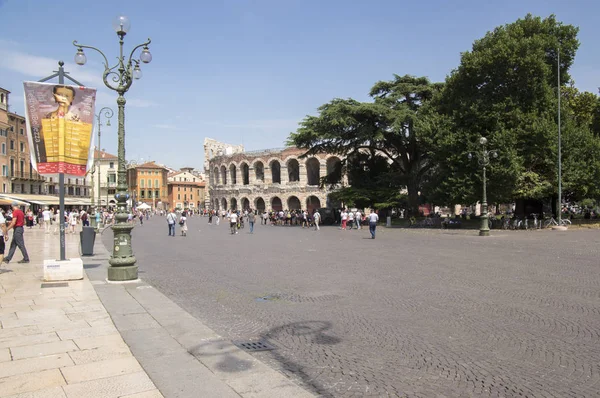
(350,222)
(357,218)
(373,218)
(46,216)
(233,222)
(317,220)
(3,235)
(171,220)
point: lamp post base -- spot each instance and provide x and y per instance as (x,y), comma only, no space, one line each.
(122,261)
(484,232)
(123,273)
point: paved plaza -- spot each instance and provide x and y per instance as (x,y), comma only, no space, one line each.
(411,313)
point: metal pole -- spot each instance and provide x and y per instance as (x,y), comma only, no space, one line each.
(61,183)
(559,206)
(98,162)
(484,229)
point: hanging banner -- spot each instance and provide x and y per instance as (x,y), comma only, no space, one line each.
(60,121)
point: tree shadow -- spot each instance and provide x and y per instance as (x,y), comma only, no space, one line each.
(313,332)
(4,271)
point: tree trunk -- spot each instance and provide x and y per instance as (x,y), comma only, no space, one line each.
(413,198)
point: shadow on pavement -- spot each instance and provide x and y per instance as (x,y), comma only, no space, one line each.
(309,332)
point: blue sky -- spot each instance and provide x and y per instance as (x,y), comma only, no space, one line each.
(244,71)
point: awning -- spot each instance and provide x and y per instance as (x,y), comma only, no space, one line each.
(5,200)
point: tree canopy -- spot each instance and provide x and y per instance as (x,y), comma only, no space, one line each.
(388,127)
(416,134)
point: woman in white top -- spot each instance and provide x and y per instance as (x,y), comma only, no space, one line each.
(344,219)
(73,221)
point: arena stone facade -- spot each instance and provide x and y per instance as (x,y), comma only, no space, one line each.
(272,179)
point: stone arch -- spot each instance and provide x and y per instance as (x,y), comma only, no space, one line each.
(233,204)
(293,170)
(275,171)
(216,178)
(245,203)
(276,203)
(259,204)
(313,171)
(224,174)
(293,203)
(259,170)
(233,173)
(245,173)
(224,204)
(334,169)
(216,204)
(312,203)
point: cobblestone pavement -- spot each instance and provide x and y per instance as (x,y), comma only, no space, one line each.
(412,313)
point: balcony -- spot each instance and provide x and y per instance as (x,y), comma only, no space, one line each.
(108,184)
(14,176)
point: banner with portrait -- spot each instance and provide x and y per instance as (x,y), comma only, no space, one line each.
(60,122)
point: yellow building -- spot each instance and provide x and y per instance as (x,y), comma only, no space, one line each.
(148,184)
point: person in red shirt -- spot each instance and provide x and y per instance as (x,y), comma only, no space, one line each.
(18,220)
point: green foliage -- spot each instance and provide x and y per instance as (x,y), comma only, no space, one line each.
(388,127)
(505,90)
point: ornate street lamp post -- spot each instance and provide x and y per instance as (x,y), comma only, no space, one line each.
(108,114)
(119,78)
(483,157)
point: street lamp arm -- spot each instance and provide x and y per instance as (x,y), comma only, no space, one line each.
(76,44)
(108,113)
(135,48)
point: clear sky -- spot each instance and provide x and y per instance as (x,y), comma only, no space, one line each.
(243,71)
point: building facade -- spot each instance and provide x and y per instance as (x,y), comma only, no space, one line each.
(104,179)
(186,189)
(18,175)
(275,179)
(148,184)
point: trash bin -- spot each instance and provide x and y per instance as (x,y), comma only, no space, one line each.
(88,237)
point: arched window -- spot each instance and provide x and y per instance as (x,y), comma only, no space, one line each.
(293,170)
(232,173)
(216,176)
(259,171)
(313,171)
(276,172)
(245,174)
(224,175)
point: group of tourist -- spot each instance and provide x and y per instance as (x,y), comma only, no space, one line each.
(348,219)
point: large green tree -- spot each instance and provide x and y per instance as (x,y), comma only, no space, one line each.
(505,89)
(388,128)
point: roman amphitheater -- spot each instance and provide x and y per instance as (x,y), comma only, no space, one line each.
(272,179)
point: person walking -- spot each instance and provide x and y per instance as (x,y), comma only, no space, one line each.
(251,219)
(171,219)
(233,223)
(3,235)
(46,216)
(183,224)
(17,222)
(316,219)
(357,218)
(373,218)
(344,216)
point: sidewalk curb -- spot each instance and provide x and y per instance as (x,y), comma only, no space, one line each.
(182,356)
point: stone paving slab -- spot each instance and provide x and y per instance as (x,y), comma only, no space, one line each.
(69,341)
(60,341)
